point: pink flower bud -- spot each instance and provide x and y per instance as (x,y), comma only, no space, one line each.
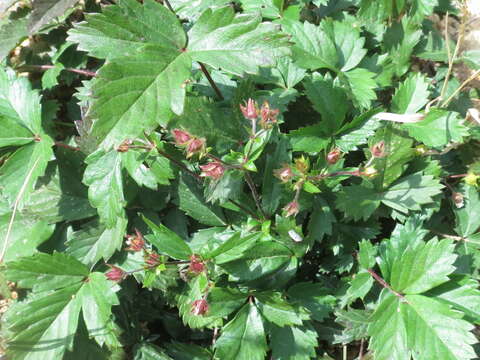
(285,173)
(196,265)
(152,259)
(292,208)
(199,307)
(333,156)
(194,146)
(249,111)
(378,150)
(213,170)
(181,137)
(269,116)
(115,274)
(135,242)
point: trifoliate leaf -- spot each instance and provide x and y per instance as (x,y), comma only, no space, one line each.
(167,242)
(438,128)
(411,96)
(327,99)
(243,337)
(293,342)
(103,176)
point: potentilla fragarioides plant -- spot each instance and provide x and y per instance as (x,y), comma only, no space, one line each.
(244,180)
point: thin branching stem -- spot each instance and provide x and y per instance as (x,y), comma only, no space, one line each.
(210,80)
(30,68)
(253,189)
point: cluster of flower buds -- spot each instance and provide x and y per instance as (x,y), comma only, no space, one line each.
(192,144)
(213,170)
(152,259)
(333,156)
(378,150)
(199,307)
(267,115)
(115,274)
(285,173)
(292,208)
(135,242)
(196,265)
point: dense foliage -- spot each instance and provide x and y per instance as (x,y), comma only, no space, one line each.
(238,180)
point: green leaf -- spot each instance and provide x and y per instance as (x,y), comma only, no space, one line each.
(62,198)
(278,311)
(103,176)
(51,317)
(95,241)
(167,242)
(45,11)
(388,330)
(361,85)
(97,298)
(366,254)
(148,351)
(133,161)
(42,272)
(422,266)
(262,259)
(293,342)
(237,44)
(411,96)
(321,220)
(25,235)
(468,217)
(20,172)
(438,128)
(58,312)
(191,201)
(462,294)
(327,99)
(398,153)
(333,45)
(409,192)
(10,35)
(243,337)
(356,133)
(309,139)
(270,9)
(360,285)
(314,297)
(446,335)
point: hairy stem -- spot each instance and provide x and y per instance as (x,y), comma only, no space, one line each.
(180,165)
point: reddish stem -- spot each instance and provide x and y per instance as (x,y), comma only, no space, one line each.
(210,80)
(48,67)
(60,144)
(384,283)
